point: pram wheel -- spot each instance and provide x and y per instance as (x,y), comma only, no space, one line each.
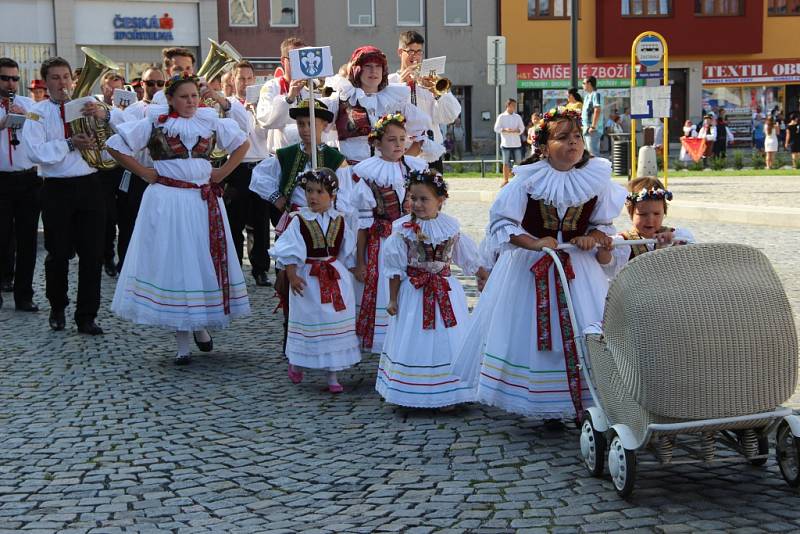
(621,466)
(787,453)
(593,447)
(763,449)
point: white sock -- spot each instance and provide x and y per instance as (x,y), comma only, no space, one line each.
(202,335)
(184,339)
(332,379)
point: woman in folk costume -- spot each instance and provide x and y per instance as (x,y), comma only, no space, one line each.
(316,251)
(365,97)
(520,352)
(180,271)
(429,309)
(380,183)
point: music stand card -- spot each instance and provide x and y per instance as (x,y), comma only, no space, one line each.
(72,109)
(311,62)
(433,66)
(252,93)
(123,98)
(15,121)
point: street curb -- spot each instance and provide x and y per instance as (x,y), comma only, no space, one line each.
(785,217)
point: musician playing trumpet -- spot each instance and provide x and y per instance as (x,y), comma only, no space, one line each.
(73,208)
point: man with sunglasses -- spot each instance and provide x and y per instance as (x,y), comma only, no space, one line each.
(443,109)
(19,191)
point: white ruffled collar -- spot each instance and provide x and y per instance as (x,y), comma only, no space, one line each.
(202,124)
(309,215)
(563,188)
(392,96)
(387,173)
(436,231)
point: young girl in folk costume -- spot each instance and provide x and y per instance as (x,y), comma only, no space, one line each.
(181,270)
(429,309)
(520,351)
(316,250)
(381,185)
(647,205)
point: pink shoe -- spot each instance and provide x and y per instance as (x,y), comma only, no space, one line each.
(335,388)
(295,375)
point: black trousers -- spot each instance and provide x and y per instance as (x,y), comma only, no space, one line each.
(247,210)
(10,258)
(19,222)
(128,211)
(116,205)
(73,211)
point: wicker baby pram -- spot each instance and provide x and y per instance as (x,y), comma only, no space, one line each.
(698,351)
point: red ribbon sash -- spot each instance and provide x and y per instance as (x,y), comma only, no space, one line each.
(365,325)
(329,290)
(216,232)
(541,270)
(164,117)
(436,289)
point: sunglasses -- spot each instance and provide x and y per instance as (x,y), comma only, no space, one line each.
(153,83)
(7,78)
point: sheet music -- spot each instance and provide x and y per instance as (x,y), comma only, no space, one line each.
(252,92)
(123,98)
(433,66)
(72,109)
(15,121)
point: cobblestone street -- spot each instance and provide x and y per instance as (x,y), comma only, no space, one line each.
(107,435)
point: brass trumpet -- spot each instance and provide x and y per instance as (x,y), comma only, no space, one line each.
(438,85)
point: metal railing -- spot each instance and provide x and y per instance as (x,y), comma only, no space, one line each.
(472,162)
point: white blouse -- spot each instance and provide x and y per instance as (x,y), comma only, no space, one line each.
(382,173)
(290,249)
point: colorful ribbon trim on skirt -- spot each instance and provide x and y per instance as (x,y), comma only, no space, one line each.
(329,291)
(541,270)
(435,288)
(216,232)
(365,325)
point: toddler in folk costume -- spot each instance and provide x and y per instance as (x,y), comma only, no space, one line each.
(520,351)
(646,205)
(380,190)
(427,304)
(316,250)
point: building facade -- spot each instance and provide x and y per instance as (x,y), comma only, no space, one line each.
(740,55)
(132,33)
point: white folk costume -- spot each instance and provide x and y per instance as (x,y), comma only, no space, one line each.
(432,319)
(181,269)
(514,352)
(622,254)
(380,187)
(321,332)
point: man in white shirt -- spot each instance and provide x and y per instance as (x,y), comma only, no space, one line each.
(73,209)
(441,110)
(510,126)
(19,192)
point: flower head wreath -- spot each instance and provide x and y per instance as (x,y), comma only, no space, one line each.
(380,125)
(183,77)
(649,194)
(323,176)
(428,177)
(540,134)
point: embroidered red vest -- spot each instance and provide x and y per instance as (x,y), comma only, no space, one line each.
(319,244)
(541,219)
(387,202)
(162,146)
(423,255)
(352,121)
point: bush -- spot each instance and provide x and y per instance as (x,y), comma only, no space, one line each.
(696,165)
(678,165)
(780,160)
(718,163)
(758,160)
(738,159)
(797,164)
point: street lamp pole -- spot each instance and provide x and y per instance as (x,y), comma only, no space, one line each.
(574,28)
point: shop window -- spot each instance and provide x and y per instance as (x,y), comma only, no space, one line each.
(719,8)
(409,12)
(646,8)
(549,9)
(283,12)
(30,58)
(242,13)
(778,8)
(457,12)
(361,12)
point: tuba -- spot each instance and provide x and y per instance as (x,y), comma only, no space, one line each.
(95,65)
(218,58)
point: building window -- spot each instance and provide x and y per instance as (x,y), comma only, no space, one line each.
(646,8)
(719,8)
(409,12)
(457,12)
(778,8)
(549,9)
(30,58)
(361,12)
(283,12)
(242,13)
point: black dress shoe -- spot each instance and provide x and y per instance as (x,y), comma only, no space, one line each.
(183,359)
(57,320)
(27,306)
(261,279)
(89,328)
(110,268)
(204,346)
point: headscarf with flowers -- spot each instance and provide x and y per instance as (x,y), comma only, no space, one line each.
(540,129)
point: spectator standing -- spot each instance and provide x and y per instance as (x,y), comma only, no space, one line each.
(510,127)
(592,115)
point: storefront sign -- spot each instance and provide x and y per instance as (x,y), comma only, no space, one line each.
(754,72)
(143,28)
(558,75)
(136,23)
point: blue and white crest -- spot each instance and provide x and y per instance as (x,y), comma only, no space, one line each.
(311,61)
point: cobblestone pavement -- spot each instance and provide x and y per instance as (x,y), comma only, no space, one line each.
(106,435)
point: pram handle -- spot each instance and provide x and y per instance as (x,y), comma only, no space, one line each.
(616,243)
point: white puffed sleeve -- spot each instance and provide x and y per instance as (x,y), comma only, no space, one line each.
(683,235)
(507,212)
(345,201)
(38,148)
(417,122)
(395,256)
(272,110)
(265,179)
(431,150)
(446,109)
(466,255)
(131,137)
(116,117)
(619,258)
(290,249)
(347,252)
(608,207)
(365,203)
(229,135)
